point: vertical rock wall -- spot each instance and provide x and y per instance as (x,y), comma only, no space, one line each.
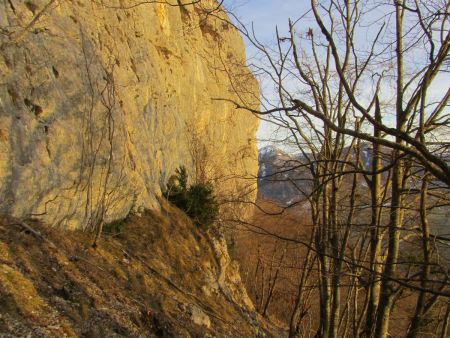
(100,101)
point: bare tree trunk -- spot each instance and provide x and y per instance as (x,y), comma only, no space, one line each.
(108,99)
(416,322)
(387,290)
(298,313)
(375,236)
(324,263)
(272,284)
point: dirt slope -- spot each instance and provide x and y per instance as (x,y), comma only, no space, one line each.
(159,277)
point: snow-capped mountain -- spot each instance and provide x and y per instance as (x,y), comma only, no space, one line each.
(281,178)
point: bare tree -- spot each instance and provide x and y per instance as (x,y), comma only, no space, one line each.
(367,111)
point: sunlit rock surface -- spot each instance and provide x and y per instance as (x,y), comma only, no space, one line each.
(100,101)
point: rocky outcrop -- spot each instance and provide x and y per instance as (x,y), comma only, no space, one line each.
(100,101)
(229,279)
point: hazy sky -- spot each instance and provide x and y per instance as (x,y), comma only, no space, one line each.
(265,16)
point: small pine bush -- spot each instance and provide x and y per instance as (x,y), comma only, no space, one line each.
(114,228)
(202,206)
(197,200)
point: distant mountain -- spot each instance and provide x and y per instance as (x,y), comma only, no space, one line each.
(285,179)
(281,177)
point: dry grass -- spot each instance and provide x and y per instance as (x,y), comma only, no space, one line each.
(144,282)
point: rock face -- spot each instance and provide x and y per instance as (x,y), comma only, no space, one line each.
(100,101)
(229,280)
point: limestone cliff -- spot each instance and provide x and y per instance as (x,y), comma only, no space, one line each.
(100,101)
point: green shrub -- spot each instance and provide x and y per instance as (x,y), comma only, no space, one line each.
(202,206)
(197,200)
(114,228)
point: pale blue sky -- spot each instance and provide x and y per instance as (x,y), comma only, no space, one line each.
(265,15)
